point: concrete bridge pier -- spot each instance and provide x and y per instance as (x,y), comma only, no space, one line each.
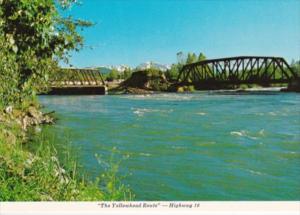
(294,86)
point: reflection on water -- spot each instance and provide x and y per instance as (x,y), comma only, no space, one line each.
(199,146)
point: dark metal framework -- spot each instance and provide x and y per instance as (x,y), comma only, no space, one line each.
(75,77)
(238,70)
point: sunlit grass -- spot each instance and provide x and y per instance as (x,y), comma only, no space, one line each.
(38,171)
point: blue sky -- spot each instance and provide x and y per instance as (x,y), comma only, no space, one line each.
(135,31)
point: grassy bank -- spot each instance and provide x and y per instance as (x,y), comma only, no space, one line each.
(29,60)
(31,169)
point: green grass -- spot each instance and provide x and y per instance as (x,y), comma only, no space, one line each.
(35,171)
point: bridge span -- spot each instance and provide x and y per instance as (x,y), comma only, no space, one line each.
(74,81)
(260,70)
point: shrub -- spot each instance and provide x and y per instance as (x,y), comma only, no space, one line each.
(34,37)
(113,75)
(173,73)
(9,78)
(189,88)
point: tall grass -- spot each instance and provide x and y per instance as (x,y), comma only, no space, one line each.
(37,171)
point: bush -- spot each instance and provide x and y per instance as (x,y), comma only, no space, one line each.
(9,78)
(34,38)
(173,73)
(113,75)
(189,88)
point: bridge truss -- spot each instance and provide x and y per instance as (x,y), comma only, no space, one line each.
(77,77)
(237,70)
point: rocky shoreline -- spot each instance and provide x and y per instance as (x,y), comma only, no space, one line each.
(23,121)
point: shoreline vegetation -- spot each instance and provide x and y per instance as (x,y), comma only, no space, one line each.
(34,38)
(32,168)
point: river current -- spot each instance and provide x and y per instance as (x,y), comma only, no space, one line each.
(198,146)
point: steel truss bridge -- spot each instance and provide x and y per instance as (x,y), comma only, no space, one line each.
(78,77)
(237,70)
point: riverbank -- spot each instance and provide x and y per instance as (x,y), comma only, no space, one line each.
(190,89)
(31,168)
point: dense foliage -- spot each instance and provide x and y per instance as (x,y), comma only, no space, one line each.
(33,38)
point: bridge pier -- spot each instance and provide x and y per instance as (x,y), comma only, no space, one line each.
(294,86)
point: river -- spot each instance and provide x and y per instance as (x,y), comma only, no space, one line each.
(198,146)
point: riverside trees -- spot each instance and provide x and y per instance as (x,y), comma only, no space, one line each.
(191,57)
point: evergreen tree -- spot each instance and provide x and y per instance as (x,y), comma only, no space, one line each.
(191,58)
(201,57)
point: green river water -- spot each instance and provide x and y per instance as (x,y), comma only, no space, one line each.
(199,146)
